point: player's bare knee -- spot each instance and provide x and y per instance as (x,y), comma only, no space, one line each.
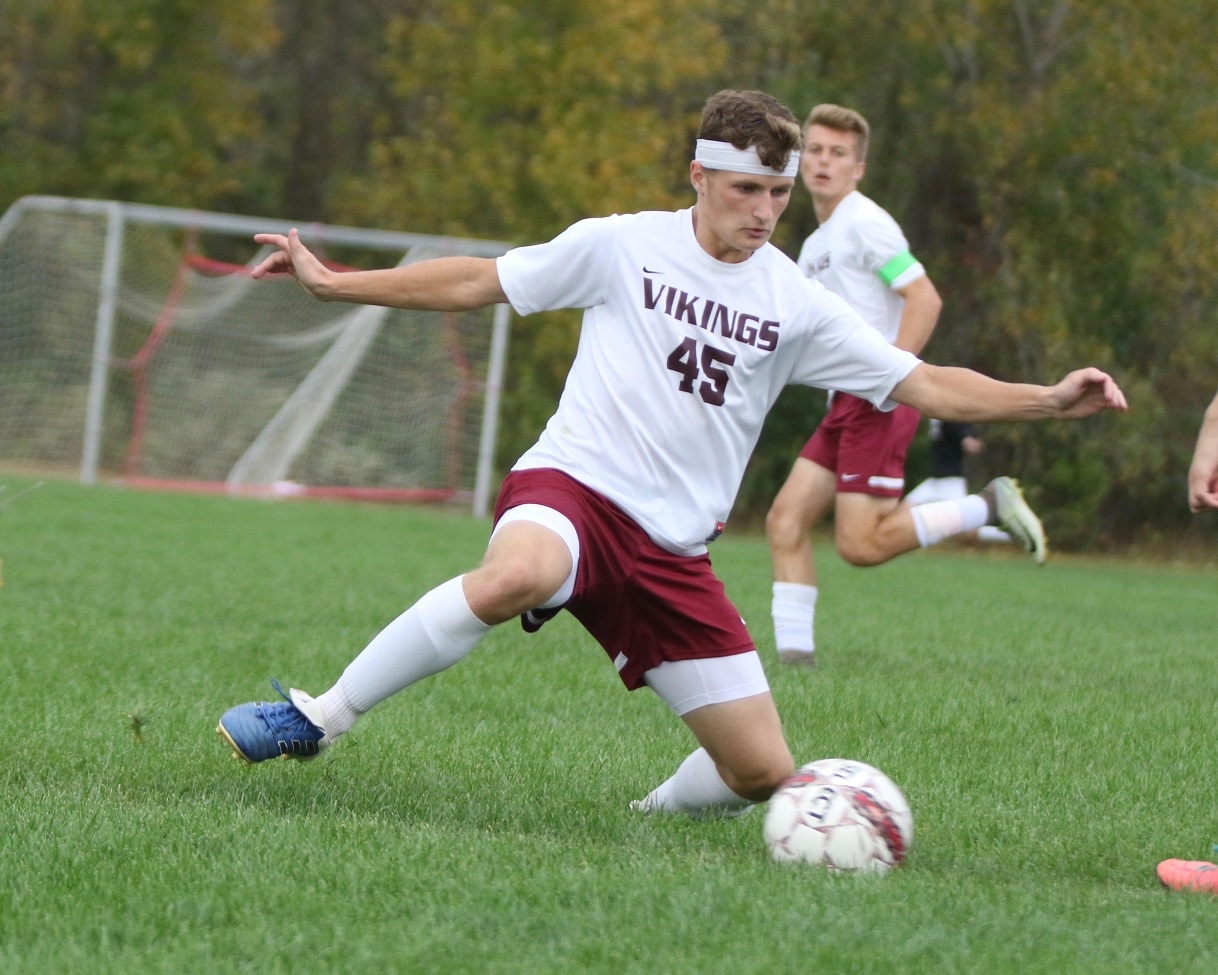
(783,527)
(859,551)
(757,780)
(512,585)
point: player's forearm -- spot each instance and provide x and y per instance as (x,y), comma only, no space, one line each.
(965,396)
(1205,455)
(440,284)
(1209,423)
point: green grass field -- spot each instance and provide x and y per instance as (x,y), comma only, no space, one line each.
(1055,731)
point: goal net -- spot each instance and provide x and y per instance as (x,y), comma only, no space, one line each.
(135,345)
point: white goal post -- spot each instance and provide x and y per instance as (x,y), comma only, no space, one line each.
(135,346)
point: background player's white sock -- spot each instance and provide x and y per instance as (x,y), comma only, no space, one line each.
(793,608)
(696,787)
(435,633)
(938,520)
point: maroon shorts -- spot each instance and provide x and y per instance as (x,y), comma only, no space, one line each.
(643,604)
(863,446)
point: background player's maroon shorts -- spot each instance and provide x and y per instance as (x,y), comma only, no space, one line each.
(863,446)
(643,604)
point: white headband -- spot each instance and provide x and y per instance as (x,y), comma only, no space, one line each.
(724,155)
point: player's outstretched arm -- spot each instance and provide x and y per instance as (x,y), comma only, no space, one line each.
(440,284)
(951,393)
(1203,472)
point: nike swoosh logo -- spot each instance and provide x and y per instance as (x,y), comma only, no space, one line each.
(850,477)
(647,270)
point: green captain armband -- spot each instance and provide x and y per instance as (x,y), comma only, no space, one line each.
(896,267)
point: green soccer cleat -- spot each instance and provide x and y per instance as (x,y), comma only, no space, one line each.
(1013,514)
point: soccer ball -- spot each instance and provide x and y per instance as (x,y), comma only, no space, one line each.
(839,814)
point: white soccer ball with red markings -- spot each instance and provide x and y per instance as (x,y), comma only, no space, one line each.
(839,814)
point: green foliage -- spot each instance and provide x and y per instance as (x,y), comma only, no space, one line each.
(1045,159)
(514,121)
(1053,164)
(128,99)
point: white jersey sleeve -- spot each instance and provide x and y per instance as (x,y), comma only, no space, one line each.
(882,248)
(567,272)
(842,354)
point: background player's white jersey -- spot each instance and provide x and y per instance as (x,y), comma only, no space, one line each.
(861,254)
(680,357)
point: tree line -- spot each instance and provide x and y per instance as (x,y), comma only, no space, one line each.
(1054,164)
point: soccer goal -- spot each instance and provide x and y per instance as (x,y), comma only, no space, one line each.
(135,346)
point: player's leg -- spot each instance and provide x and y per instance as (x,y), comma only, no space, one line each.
(872,527)
(871,478)
(744,740)
(686,641)
(526,564)
(999,504)
(871,531)
(742,757)
(955,489)
(805,498)
(952,489)
(530,562)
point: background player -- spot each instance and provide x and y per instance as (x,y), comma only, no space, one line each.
(1199,875)
(855,461)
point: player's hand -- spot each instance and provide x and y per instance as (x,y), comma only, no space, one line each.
(292,257)
(1202,490)
(1085,392)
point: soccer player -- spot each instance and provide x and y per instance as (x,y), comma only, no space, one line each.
(692,324)
(950,443)
(855,459)
(1198,875)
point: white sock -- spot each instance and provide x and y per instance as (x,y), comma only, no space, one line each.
(435,633)
(989,533)
(696,787)
(793,608)
(940,519)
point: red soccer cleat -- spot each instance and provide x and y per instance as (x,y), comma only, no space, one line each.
(1189,875)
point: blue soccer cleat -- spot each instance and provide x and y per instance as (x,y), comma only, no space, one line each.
(291,728)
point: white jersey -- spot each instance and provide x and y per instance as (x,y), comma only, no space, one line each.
(680,357)
(861,254)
